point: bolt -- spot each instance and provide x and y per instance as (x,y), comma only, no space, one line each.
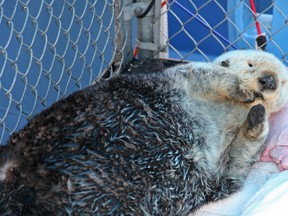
(138,11)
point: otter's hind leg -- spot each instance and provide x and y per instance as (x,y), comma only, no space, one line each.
(238,158)
(245,148)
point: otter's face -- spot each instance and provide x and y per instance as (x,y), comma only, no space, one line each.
(263,72)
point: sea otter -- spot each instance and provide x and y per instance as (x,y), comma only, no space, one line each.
(145,144)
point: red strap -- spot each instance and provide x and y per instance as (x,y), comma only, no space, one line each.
(254,14)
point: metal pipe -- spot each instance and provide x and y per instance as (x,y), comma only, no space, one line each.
(123,34)
(145,27)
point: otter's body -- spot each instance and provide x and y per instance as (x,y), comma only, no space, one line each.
(155,144)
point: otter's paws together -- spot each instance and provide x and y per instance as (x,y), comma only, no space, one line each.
(245,93)
(250,89)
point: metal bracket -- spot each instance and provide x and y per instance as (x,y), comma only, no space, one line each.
(151,46)
(136,9)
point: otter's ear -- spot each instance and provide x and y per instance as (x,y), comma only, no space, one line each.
(225,63)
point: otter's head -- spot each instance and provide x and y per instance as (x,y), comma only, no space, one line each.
(263,72)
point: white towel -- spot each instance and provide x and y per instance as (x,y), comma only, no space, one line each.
(271,199)
(239,202)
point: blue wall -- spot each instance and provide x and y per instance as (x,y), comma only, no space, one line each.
(213,14)
(28,86)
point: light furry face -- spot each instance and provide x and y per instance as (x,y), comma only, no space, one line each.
(263,72)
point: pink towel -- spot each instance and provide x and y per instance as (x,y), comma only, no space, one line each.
(276,149)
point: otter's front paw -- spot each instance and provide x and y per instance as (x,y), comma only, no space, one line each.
(244,93)
(255,121)
(251,89)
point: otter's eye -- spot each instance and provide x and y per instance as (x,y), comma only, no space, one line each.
(250,65)
(225,63)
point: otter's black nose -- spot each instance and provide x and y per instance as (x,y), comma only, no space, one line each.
(267,82)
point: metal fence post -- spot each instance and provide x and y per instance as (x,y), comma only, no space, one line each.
(123,34)
(148,31)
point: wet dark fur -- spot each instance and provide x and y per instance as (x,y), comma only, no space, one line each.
(122,139)
(122,146)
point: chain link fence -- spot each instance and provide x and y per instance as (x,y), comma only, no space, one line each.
(51,48)
(202,30)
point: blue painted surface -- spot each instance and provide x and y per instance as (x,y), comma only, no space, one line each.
(21,85)
(272,23)
(279,21)
(184,43)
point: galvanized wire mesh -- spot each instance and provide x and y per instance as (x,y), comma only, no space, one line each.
(48,49)
(201,30)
